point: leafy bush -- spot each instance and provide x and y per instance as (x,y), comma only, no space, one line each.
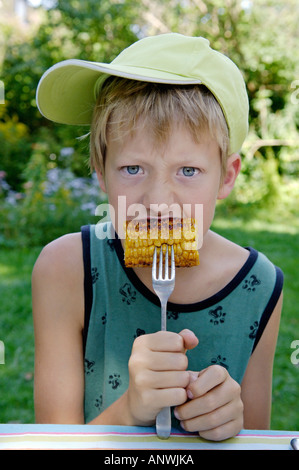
(54,202)
(15,150)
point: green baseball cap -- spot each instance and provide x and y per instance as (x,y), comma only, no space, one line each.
(67,92)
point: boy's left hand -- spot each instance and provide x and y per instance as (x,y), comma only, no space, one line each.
(215,409)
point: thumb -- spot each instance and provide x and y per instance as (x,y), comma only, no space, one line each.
(190,340)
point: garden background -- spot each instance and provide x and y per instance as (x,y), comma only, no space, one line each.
(46,189)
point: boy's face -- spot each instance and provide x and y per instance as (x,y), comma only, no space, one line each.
(180,172)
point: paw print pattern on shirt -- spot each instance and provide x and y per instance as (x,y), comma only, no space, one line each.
(253,330)
(99,402)
(94,275)
(220,361)
(251,283)
(114,381)
(171,315)
(217,315)
(127,293)
(139,332)
(88,366)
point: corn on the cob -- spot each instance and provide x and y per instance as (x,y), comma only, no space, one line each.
(144,235)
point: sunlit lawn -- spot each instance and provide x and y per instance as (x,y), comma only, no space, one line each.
(279,242)
(16,331)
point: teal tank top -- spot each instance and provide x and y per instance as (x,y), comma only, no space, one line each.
(118,308)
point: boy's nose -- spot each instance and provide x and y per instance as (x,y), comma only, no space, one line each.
(160,199)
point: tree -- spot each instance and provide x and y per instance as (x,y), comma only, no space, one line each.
(261,36)
(89,30)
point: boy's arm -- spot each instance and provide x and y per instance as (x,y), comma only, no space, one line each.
(256,388)
(219,407)
(58,314)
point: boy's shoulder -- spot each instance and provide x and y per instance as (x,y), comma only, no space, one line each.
(225,253)
(228,259)
(61,257)
(57,285)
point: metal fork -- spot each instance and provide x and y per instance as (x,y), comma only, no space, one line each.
(163,286)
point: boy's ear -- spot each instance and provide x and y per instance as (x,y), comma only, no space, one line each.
(233,168)
(101,179)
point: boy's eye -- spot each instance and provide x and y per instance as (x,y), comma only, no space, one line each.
(133,169)
(189,171)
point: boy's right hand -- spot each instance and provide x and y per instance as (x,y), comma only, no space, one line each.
(158,374)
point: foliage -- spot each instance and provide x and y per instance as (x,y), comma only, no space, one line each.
(90,30)
(54,202)
(15,148)
(93,30)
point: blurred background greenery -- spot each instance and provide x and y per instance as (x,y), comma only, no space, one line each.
(46,189)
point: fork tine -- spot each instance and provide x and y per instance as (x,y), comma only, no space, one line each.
(166,263)
(172,275)
(160,263)
(154,267)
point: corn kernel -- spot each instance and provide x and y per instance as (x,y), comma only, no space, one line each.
(143,237)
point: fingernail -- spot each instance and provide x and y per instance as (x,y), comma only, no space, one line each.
(189,394)
(176,414)
(193,376)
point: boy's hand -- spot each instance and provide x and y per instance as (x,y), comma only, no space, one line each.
(215,409)
(158,375)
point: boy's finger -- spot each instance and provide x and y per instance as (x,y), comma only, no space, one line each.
(207,380)
(169,379)
(189,338)
(164,341)
(167,361)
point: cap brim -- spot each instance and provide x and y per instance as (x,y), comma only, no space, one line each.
(65,93)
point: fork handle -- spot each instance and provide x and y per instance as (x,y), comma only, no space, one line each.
(163,315)
(163,419)
(163,423)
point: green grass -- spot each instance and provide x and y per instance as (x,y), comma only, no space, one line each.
(279,241)
(16,331)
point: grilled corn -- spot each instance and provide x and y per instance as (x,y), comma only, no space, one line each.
(143,236)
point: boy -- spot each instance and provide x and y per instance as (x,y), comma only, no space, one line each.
(168,117)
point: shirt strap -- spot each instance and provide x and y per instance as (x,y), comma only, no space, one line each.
(88,294)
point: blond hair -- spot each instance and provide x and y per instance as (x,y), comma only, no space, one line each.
(122,104)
